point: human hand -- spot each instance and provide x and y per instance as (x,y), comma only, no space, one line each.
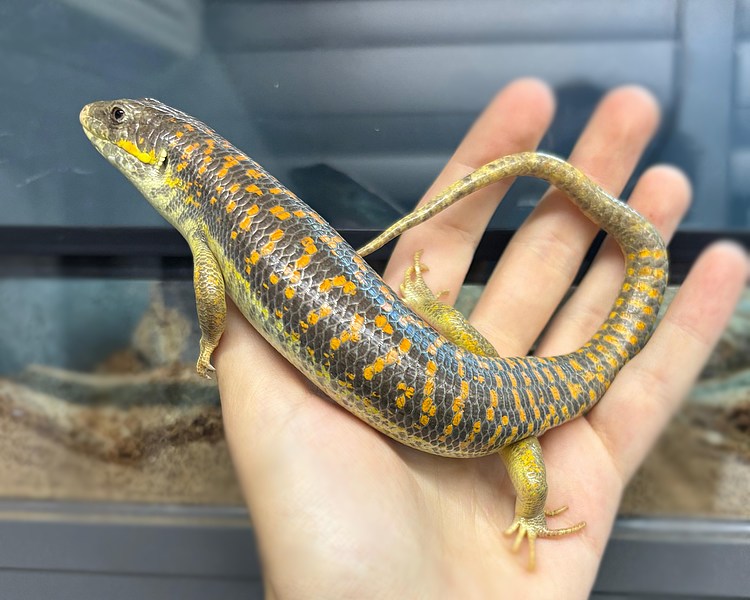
(341,511)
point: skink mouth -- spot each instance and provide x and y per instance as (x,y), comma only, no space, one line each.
(92,126)
(95,131)
(85,118)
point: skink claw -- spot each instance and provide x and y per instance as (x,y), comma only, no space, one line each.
(205,369)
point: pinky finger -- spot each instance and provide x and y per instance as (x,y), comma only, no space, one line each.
(650,388)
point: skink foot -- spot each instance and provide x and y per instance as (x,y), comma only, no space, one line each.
(534,527)
(205,369)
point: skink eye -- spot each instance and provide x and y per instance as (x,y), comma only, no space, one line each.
(117,114)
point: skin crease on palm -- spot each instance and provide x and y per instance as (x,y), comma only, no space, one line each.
(341,511)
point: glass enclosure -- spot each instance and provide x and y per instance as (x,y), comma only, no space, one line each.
(356,105)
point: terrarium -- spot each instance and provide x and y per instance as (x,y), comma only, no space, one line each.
(105,430)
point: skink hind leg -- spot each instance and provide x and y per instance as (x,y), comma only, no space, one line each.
(523,459)
(210,301)
(446,319)
(525,465)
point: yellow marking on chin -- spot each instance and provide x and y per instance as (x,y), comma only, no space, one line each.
(149,158)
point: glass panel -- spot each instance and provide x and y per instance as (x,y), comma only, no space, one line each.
(701,465)
(356,107)
(101,402)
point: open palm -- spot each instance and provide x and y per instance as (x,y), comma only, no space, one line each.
(341,511)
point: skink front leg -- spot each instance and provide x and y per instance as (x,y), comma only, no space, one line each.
(210,302)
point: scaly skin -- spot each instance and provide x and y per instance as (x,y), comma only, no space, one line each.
(323,308)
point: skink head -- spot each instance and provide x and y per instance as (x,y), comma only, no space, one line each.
(128,133)
(140,138)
